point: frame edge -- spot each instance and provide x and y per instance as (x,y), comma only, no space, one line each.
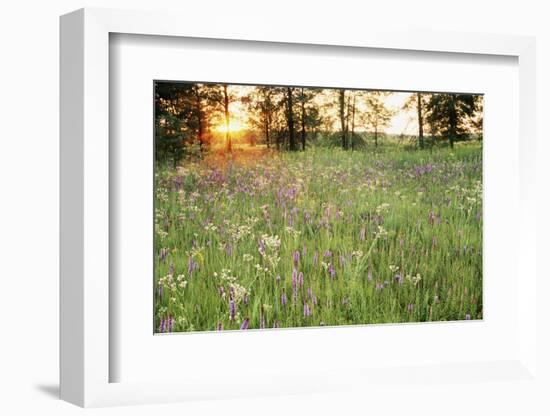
(71,202)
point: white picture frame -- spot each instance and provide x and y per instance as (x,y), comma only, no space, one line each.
(85,355)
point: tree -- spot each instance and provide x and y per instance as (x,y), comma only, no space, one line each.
(228,145)
(417,102)
(352,111)
(309,113)
(450,114)
(290,118)
(179,119)
(476,121)
(377,116)
(342,115)
(203,104)
(261,106)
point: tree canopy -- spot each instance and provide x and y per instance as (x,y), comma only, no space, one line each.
(193,118)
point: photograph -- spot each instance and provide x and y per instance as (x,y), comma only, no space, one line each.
(286,206)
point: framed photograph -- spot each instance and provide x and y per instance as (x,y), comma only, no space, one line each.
(289,206)
(298,214)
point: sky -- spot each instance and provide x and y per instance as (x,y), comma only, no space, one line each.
(404,121)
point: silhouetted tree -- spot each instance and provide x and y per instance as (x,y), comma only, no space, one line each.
(450,114)
(377,116)
(417,102)
(290,118)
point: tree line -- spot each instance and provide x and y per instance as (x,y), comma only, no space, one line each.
(288,118)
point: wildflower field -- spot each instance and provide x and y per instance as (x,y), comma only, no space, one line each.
(262,239)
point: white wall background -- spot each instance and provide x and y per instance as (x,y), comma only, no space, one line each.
(29,194)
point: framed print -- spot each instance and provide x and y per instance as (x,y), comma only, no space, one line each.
(244,203)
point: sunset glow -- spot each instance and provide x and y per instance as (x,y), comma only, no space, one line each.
(235,125)
(402,122)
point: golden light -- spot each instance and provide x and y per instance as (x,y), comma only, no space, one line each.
(234,126)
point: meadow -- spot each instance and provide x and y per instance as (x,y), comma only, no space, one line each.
(262,239)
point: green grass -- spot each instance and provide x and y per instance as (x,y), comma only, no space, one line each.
(419,211)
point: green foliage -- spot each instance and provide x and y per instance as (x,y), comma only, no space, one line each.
(451,115)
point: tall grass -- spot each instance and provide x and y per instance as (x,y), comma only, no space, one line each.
(344,237)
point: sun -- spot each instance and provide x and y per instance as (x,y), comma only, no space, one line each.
(234,126)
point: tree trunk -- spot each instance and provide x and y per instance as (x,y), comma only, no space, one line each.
(266,127)
(292,139)
(452,121)
(353,124)
(228,144)
(303,120)
(199,120)
(375,136)
(420,120)
(342,102)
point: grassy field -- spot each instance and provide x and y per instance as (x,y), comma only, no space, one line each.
(323,237)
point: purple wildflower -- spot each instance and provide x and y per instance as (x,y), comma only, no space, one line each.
(221,290)
(301,279)
(170,323)
(161,290)
(219,327)
(410,307)
(191,266)
(309,292)
(245,323)
(283,299)
(468,317)
(162,326)
(315,258)
(296,257)
(399,278)
(328,253)
(314,300)
(163,253)
(331,271)
(232,309)
(294,286)
(307,311)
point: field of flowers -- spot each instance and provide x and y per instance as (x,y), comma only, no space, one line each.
(261,239)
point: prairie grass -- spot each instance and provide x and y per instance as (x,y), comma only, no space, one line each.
(261,239)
